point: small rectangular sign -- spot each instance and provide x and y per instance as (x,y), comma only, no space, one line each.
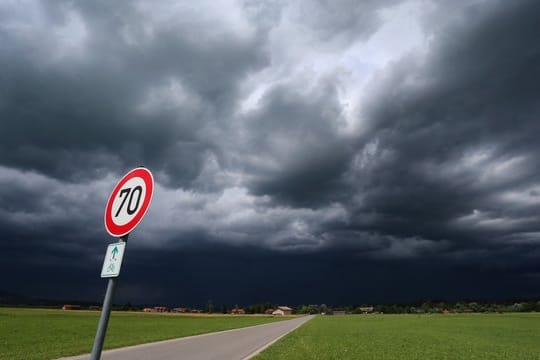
(113,260)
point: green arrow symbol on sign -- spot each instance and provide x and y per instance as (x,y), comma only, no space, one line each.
(114,252)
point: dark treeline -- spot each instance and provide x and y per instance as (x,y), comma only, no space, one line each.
(426,307)
(417,307)
(421,307)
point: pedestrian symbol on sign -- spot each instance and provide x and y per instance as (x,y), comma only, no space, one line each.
(114,252)
(113,260)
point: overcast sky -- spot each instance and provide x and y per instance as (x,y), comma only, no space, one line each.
(303,151)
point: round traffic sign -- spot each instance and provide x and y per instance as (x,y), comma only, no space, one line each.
(129,201)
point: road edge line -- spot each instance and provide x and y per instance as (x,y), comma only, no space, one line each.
(267,345)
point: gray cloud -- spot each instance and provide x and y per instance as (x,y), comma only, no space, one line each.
(291,146)
(82,80)
(342,21)
(454,134)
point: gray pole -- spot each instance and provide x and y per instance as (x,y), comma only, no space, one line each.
(104,319)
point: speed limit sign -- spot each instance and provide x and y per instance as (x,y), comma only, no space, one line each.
(125,209)
(129,201)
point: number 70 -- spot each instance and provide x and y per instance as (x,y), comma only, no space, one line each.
(130,208)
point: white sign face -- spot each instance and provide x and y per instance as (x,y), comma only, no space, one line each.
(113,260)
(128,201)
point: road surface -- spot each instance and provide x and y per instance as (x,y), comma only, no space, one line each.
(233,344)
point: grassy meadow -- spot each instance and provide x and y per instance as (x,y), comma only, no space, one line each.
(391,337)
(48,334)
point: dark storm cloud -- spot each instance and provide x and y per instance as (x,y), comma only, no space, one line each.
(342,21)
(103,86)
(453,144)
(296,149)
(247,276)
(283,142)
(46,222)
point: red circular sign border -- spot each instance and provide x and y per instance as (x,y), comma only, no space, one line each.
(119,231)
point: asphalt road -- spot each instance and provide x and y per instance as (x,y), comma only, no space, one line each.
(233,344)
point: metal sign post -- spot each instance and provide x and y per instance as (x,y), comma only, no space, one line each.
(105,311)
(125,209)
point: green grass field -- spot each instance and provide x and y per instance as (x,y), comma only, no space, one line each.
(426,337)
(47,334)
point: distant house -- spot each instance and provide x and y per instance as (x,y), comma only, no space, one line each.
(366,309)
(148,310)
(269,311)
(287,310)
(180,310)
(71,307)
(282,311)
(238,311)
(196,311)
(160,309)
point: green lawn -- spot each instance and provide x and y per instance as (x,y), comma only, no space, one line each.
(426,337)
(47,334)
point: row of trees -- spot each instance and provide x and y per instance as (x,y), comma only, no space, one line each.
(250,309)
(460,307)
(426,308)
